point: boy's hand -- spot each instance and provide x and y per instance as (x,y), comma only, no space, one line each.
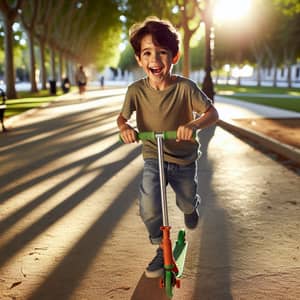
(185,133)
(128,134)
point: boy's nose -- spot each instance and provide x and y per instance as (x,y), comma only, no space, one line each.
(155,56)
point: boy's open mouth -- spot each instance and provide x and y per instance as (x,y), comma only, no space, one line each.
(155,71)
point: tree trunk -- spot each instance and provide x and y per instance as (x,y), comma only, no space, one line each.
(42,63)
(273,56)
(258,73)
(208,86)
(9,73)
(289,74)
(32,62)
(66,68)
(60,67)
(288,58)
(274,75)
(52,61)
(186,55)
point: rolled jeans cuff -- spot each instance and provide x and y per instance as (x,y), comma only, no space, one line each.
(155,241)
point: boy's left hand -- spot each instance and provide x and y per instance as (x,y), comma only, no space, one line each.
(185,133)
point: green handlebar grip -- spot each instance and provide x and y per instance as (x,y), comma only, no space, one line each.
(146,135)
(170,135)
(150,135)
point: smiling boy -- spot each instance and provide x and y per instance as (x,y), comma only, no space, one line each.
(164,102)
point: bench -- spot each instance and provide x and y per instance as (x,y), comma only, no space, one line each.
(2,108)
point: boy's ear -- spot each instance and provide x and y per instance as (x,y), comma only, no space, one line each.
(138,60)
(176,58)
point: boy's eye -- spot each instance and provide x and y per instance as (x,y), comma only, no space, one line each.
(164,52)
(146,53)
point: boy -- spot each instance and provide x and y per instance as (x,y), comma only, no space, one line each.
(162,102)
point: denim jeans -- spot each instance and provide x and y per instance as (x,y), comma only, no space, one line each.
(182,179)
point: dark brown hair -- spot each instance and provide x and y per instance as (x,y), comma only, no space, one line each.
(163,33)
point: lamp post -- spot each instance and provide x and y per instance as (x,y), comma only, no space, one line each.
(208,86)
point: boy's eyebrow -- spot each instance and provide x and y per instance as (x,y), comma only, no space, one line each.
(145,49)
(149,48)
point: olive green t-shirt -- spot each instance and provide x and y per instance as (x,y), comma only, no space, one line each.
(166,110)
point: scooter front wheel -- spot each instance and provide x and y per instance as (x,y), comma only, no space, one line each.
(169,282)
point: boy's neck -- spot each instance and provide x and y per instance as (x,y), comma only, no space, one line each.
(160,86)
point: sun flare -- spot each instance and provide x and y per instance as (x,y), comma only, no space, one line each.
(231,10)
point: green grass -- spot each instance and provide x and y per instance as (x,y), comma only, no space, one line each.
(28,100)
(284,103)
(220,89)
(244,94)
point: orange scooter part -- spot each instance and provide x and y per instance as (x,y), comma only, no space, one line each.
(166,245)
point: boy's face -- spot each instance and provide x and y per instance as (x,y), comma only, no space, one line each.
(156,61)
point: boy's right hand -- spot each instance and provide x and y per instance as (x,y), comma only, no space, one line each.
(128,134)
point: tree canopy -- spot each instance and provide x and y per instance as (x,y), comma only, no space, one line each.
(70,32)
(74,31)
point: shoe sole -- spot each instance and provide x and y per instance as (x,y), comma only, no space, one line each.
(154,274)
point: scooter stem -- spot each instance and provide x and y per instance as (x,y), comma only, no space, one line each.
(159,139)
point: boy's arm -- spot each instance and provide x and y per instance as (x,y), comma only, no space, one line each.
(185,132)
(128,134)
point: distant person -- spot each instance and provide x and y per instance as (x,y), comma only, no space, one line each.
(102,81)
(81,79)
(65,85)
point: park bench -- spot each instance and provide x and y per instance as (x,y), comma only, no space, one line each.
(2,108)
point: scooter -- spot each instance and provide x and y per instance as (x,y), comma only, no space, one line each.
(174,258)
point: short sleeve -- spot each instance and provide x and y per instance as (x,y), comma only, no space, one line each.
(129,103)
(200,101)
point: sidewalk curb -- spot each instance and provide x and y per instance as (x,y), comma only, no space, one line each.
(10,120)
(285,150)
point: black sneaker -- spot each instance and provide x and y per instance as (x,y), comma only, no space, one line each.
(156,266)
(191,220)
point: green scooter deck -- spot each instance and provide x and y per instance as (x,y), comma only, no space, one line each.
(179,252)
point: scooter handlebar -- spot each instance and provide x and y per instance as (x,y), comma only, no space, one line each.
(151,135)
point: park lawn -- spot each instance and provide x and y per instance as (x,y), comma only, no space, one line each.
(17,106)
(284,103)
(232,89)
(28,100)
(243,93)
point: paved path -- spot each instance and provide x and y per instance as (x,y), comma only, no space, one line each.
(69,224)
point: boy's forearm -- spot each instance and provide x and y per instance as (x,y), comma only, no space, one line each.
(128,134)
(122,122)
(210,117)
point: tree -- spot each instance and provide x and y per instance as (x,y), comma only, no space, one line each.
(208,86)
(127,60)
(9,14)
(289,32)
(189,21)
(259,36)
(28,17)
(42,30)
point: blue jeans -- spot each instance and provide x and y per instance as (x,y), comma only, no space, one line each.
(182,179)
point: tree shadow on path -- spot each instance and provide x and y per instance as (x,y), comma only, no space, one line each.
(65,278)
